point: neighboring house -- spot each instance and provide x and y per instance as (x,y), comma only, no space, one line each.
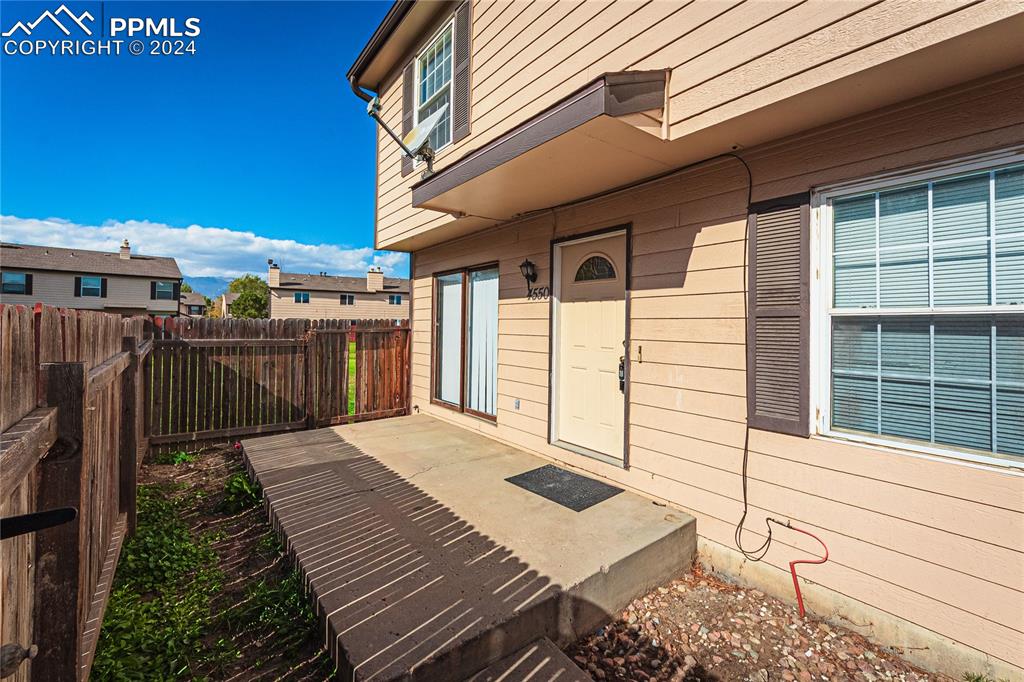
(192,304)
(123,282)
(324,296)
(796,229)
(226,299)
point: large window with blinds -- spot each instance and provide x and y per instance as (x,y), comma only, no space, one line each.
(465,370)
(925,313)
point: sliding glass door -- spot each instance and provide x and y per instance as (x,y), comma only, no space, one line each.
(448,375)
(466,340)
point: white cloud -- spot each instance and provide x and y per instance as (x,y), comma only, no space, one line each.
(202,251)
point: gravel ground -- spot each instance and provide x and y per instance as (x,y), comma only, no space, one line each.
(700,628)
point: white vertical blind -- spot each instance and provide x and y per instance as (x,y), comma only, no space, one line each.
(449,322)
(482,360)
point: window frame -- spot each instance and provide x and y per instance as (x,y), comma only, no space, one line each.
(394,299)
(822,311)
(298,296)
(170,291)
(24,282)
(98,287)
(346,299)
(417,104)
(463,337)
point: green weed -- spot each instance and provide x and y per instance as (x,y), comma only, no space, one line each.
(240,493)
(179,457)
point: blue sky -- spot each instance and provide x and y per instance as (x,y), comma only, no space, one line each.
(255,143)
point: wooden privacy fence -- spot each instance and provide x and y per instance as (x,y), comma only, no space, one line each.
(209,380)
(70,407)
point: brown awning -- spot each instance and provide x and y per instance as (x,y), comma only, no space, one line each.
(612,127)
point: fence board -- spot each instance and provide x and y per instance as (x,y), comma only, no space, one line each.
(239,377)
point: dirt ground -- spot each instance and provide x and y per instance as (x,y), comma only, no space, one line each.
(699,629)
(247,552)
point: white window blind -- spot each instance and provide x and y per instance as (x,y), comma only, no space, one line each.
(448,375)
(927,315)
(482,360)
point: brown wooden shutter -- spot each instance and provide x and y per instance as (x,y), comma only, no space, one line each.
(103,287)
(408,109)
(778,308)
(28,284)
(176,291)
(152,291)
(78,287)
(460,105)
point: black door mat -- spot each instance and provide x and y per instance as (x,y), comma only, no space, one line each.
(564,487)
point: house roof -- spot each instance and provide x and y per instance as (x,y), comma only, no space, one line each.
(229,297)
(398,34)
(355,285)
(30,257)
(192,298)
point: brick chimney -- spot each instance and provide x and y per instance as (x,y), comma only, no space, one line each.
(273,274)
(375,279)
(126,250)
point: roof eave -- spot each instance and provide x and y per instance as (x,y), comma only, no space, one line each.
(398,11)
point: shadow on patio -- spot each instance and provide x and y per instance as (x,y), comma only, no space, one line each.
(426,564)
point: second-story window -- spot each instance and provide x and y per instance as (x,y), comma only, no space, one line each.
(348,299)
(395,299)
(163,291)
(92,286)
(434,85)
(302,297)
(16,283)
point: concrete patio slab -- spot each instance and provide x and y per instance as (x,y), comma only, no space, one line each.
(426,564)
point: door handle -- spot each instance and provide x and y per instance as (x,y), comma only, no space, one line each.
(622,373)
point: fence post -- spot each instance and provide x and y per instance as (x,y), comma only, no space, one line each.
(310,355)
(60,564)
(127,443)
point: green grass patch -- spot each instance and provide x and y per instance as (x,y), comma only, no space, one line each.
(154,627)
(212,600)
(351,377)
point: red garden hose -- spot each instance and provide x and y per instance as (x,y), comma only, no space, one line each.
(792,564)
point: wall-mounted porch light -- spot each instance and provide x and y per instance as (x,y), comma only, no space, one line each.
(529,271)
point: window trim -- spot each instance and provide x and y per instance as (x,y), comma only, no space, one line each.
(822,312)
(24,283)
(394,299)
(463,355)
(417,104)
(98,287)
(346,299)
(298,295)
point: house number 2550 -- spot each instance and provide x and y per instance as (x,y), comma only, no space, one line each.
(538,293)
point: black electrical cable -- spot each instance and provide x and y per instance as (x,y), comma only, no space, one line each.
(761,550)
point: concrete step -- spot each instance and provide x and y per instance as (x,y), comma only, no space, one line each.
(539,661)
(426,564)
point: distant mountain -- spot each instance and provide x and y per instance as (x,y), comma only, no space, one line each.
(208,286)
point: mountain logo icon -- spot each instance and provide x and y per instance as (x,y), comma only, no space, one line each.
(69,16)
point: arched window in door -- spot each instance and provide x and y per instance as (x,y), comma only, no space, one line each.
(594,268)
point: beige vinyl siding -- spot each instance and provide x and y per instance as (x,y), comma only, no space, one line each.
(58,289)
(327,305)
(935,542)
(727,58)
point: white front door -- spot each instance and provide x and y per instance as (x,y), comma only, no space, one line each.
(590,336)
